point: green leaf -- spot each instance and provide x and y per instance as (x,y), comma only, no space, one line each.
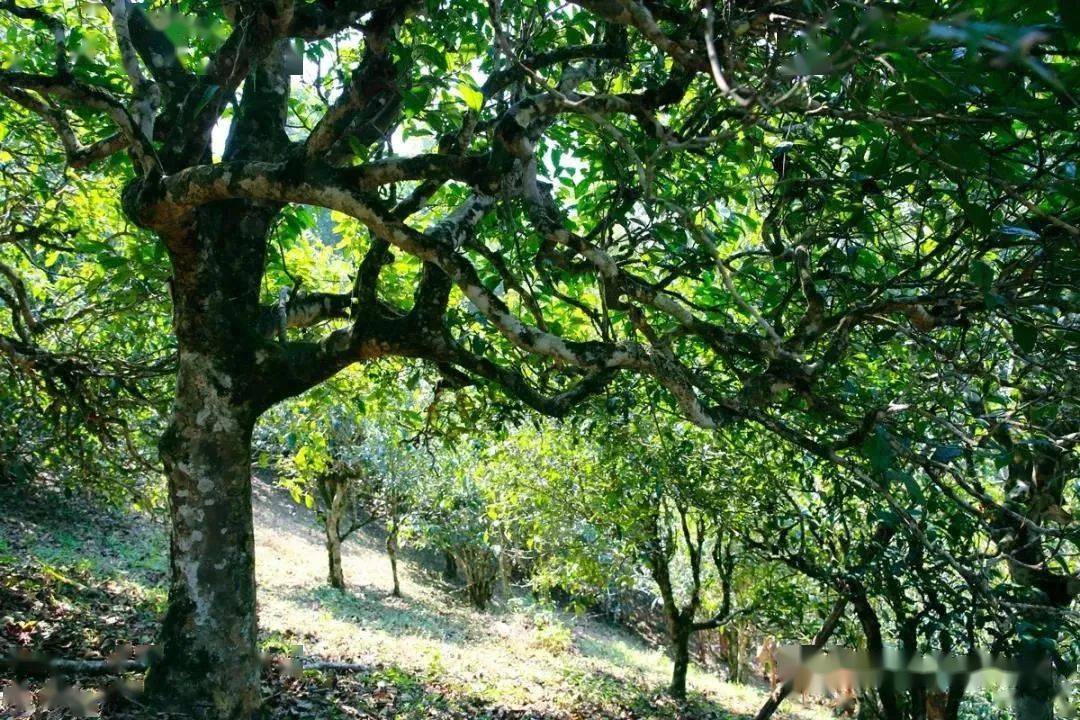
(910,24)
(358,148)
(472,97)
(912,486)
(879,450)
(978,217)
(433,56)
(416,99)
(1025,334)
(982,275)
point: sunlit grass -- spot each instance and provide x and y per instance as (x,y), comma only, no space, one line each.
(519,654)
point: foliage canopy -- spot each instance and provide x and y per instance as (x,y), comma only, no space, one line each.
(850,227)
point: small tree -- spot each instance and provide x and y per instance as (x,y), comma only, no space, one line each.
(392,471)
(325,473)
(625,506)
(352,472)
(456,518)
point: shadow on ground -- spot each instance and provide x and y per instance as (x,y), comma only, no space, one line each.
(391,692)
(373,609)
(77,580)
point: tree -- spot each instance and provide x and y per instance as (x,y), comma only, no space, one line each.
(779,218)
(660,481)
(625,500)
(455,517)
(813,520)
(394,471)
(84,347)
(349,463)
(325,471)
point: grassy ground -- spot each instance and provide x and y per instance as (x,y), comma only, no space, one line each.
(77,582)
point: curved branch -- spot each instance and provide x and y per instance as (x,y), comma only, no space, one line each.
(58,29)
(90,96)
(78,155)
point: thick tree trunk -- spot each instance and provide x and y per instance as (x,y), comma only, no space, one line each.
(680,654)
(909,647)
(210,665)
(680,620)
(227,375)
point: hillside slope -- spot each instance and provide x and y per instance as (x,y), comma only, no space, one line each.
(77,581)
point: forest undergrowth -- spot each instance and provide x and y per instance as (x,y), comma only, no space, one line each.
(80,581)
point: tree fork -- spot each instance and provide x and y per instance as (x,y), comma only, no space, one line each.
(210,660)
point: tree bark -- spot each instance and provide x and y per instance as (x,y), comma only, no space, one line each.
(210,664)
(875,648)
(481,571)
(391,550)
(336,576)
(680,653)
